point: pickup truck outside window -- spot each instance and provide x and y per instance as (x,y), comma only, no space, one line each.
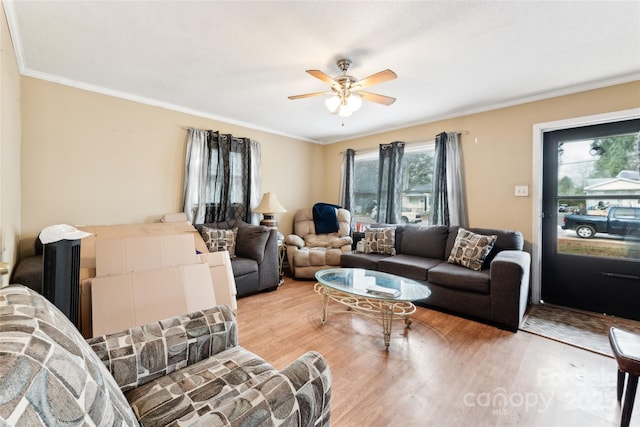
(620,221)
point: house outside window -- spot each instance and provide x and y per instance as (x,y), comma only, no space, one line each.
(416,184)
(597,174)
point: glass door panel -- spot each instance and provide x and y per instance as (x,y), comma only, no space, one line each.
(591,220)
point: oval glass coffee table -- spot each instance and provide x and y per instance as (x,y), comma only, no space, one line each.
(380,296)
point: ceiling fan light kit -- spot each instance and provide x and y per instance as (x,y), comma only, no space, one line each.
(354,101)
(332,103)
(346,94)
(343,106)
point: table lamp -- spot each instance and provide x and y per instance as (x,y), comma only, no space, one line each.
(269,205)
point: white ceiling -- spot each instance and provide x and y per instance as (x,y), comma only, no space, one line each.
(237,61)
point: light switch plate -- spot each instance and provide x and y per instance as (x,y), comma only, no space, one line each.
(522,190)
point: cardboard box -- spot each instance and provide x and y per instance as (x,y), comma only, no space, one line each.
(124,301)
(85,307)
(121,256)
(103,232)
(156,248)
(224,284)
(174,217)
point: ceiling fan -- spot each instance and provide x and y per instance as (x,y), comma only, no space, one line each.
(346,93)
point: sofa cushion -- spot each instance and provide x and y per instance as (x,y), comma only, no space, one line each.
(317,257)
(321,240)
(361,260)
(140,354)
(218,240)
(49,374)
(470,249)
(410,266)
(333,256)
(424,241)
(459,277)
(242,266)
(380,240)
(198,388)
(251,241)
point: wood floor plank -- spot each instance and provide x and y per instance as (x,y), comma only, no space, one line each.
(443,371)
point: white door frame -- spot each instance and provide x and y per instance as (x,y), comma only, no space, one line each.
(538,136)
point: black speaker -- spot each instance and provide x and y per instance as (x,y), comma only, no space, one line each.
(61,277)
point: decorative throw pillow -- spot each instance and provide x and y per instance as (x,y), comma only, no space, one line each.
(252,241)
(380,241)
(471,249)
(220,239)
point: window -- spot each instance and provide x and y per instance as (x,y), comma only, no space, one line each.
(236,167)
(624,213)
(416,184)
(596,173)
(221,177)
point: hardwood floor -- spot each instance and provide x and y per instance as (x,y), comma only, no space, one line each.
(443,371)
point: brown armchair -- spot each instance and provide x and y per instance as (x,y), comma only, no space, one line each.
(308,252)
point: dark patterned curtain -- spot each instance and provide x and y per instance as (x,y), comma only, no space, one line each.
(447,199)
(439,206)
(390,183)
(347,198)
(221,177)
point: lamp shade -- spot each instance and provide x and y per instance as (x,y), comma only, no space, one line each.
(269,204)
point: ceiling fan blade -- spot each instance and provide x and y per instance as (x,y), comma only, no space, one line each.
(376,79)
(322,76)
(308,95)
(374,97)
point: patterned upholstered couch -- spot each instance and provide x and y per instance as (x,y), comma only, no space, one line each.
(187,370)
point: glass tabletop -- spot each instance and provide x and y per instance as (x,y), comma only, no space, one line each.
(357,281)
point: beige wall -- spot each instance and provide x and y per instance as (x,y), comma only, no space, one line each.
(89,158)
(9,149)
(497,152)
(93,159)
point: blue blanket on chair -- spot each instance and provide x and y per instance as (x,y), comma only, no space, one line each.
(325,218)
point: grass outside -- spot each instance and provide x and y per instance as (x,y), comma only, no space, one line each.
(628,250)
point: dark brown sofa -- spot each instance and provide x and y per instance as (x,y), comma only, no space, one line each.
(497,294)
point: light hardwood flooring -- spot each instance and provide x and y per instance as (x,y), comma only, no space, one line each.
(443,371)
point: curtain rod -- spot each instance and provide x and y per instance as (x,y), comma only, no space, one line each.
(417,141)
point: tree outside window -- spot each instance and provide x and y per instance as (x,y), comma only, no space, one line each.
(416,187)
(598,167)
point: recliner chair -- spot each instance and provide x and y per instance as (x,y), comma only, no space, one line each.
(308,252)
